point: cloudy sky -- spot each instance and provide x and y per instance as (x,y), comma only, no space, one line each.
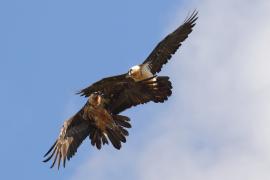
(216,125)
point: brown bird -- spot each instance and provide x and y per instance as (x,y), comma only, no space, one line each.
(99,118)
(92,120)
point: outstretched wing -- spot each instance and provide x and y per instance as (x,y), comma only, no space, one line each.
(73,132)
(81,125)
(108,85)
(142,92)
(169,45)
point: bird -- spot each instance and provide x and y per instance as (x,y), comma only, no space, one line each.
(92,120)
(115,86)
(100,119)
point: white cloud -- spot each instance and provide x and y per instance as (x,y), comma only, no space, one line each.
(218,126)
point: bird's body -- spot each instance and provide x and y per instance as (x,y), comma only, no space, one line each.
(99,118)
(97,113)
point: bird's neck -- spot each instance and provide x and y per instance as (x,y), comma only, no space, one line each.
(142,73)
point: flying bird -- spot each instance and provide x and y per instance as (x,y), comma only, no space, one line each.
(99,118)
(92,120)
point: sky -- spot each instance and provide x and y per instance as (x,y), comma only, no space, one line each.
(216,125)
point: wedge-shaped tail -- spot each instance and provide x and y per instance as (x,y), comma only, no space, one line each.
(115,131)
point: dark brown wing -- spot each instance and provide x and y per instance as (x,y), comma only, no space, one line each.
(169,45)
(81,125)
(107,85)
(73,132)
(142,92)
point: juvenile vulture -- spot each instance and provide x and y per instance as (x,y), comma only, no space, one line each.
(99,118)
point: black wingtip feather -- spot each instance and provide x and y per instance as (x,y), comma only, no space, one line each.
(64,162)
(46,160)
(56,156)
(192,17)
(50,149)
(59,160)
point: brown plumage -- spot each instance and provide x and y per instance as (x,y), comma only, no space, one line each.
(92,120)
(152,65)
(99,119)
(157,90)
(126,92)
(170,44)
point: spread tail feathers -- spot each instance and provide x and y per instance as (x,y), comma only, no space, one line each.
(115,131)
(160,88)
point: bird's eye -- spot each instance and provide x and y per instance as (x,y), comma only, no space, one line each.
(130,71)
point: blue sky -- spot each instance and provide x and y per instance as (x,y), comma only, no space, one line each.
(51,49)
(214,126)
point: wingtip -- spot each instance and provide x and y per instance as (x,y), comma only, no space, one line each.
(79,93)
(64,163)
(192,17)
(48,152)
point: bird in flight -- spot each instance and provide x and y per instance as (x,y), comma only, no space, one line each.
(99,118)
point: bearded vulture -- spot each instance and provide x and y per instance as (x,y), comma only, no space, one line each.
(99,118)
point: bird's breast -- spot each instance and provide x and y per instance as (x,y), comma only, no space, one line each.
(101,117)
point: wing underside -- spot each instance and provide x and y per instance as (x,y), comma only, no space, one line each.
(77,128)
(170,44)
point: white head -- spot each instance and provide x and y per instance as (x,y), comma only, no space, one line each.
(133,70)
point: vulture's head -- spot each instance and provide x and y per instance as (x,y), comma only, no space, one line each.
(135,72)
(95,99)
